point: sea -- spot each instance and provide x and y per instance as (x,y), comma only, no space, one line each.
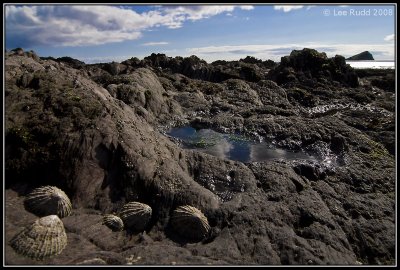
(371,64)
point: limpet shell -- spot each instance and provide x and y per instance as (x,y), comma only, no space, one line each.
(135,215)
(48,200)
(44,238)
(94,261)
(190,222)
(113,222)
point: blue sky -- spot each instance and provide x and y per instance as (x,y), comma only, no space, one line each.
(103,33)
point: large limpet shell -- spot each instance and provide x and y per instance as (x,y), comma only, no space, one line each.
(190,222)
(48,200)
(135,215)
(44,238)
(113,222)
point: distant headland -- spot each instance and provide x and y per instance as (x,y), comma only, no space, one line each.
(366,55)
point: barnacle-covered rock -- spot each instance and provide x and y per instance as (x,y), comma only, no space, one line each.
(48,200)
(190,222)
(113,222)
(45,238)
(135,215)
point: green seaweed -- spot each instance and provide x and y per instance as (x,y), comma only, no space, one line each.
(205,141)
(377,150)
(237,138)
(19,134)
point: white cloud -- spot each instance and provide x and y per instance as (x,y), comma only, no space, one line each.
(79,25)
(195,13)
(389,37)
(155,43)
(287,8)
(276,51)
(221,148)
(246,7)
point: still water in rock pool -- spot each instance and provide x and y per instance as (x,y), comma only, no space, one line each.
(232,146)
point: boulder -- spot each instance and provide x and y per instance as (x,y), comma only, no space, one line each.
(309,65)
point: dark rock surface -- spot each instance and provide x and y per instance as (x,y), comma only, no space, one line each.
(309,67)
(98,133)
(366,55)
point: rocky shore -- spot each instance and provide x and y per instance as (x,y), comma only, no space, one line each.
(98,132)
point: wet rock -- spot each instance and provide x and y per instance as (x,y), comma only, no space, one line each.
(271,94)
(75,63)
(269,64)
(307,170)
(303,97)
(386,82)
(26,80)
(251,60)
(32,55)
(222,177)
(338,144)
(101,141)
(18,51)
(113,68)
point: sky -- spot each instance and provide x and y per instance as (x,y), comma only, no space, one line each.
(104,33)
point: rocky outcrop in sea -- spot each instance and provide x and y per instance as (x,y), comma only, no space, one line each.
(366,55)
(100,133)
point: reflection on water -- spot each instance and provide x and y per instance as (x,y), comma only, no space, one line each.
(232,146)
(260,152)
